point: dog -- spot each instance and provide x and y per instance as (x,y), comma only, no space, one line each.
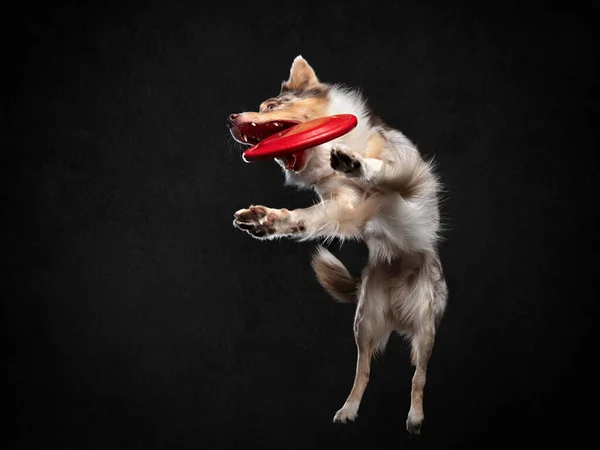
(372,185)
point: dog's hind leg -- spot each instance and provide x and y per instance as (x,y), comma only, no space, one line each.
(365,347)
(371,334)
(422,345)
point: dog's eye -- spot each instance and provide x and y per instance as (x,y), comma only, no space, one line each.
(271,106)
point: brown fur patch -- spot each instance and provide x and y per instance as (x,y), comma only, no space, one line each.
(300,110)
(375,146)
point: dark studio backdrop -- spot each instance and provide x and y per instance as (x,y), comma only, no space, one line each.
(136,316)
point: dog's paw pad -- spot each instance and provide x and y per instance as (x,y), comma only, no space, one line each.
(252,214)
(342,161)
(256,221)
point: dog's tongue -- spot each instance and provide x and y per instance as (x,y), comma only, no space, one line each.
(252,133)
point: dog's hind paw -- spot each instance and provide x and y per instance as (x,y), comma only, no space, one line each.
(347,413)
(342,160)
(413,424)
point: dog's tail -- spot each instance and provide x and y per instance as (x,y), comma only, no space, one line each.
(334,277)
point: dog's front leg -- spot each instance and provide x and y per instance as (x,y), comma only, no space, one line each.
(408,176)
(327,219)
(267,223)
(353,165)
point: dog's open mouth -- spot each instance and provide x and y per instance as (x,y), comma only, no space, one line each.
(251,133)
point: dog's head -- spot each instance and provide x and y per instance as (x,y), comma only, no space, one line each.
(303,97)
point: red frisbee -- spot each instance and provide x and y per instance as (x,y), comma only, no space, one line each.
(301,137)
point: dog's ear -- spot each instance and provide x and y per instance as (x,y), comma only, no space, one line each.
(302,77)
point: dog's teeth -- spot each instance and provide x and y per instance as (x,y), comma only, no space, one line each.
(244,138)
(253,124)
(275,124)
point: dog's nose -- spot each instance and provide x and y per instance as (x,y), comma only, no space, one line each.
(231,119)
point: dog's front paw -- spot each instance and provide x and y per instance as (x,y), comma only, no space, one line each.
(257,221)
(342,160)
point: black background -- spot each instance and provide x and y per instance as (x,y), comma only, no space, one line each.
(138,317)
